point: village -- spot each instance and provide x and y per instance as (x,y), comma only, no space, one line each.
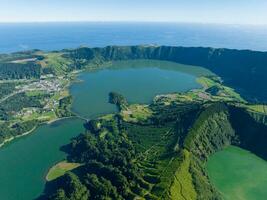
(48,85)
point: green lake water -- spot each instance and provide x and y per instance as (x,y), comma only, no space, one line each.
(238,174)
(25,161)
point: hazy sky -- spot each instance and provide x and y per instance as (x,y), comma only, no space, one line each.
(204,11)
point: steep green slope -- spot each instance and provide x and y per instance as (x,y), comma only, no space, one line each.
(149,158)
(217,127)
(251,133)
(211,131)
(163,157)
(240,69)
(157,151)
(22,65)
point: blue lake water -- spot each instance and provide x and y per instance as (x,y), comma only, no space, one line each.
(138,81)
(25,161)
(56,36)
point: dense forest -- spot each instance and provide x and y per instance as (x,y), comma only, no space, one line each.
(118,100)
(7,88)
(162,156)
(158,158)
(64,107)
(8,130)
(19,71)
(17,102)
(21,65)
(13,105)
(240,69)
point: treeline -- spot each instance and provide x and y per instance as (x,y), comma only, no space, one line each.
(63,109)
(210,132)
(19,70)
(8,130)
(108,170)
(220,125)
(6,89)
(80,57)
(16,103)
(124,160)
(118,99)
(240,69)
(121,160)
(81,53)
(251,132)
(21,56)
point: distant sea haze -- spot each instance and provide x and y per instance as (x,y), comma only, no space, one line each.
(56,36)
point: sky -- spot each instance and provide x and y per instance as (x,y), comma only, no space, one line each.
(193,11)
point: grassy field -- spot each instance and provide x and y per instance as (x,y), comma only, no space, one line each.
(224,93)
(135,113)
(159,162)
(55,62)
(60,169)
(35,93)
(205,82)
(182,186)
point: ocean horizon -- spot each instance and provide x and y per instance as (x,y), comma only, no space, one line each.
(50,36)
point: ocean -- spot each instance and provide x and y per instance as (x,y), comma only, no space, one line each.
(56,36)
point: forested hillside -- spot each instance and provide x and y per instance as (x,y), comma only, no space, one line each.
(160,157)
(21,65)
(240,69)
(155,151)
(19,71)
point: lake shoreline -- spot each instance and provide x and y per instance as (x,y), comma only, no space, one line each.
(72,79)
(51,158)
(64,166)
(8,140)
